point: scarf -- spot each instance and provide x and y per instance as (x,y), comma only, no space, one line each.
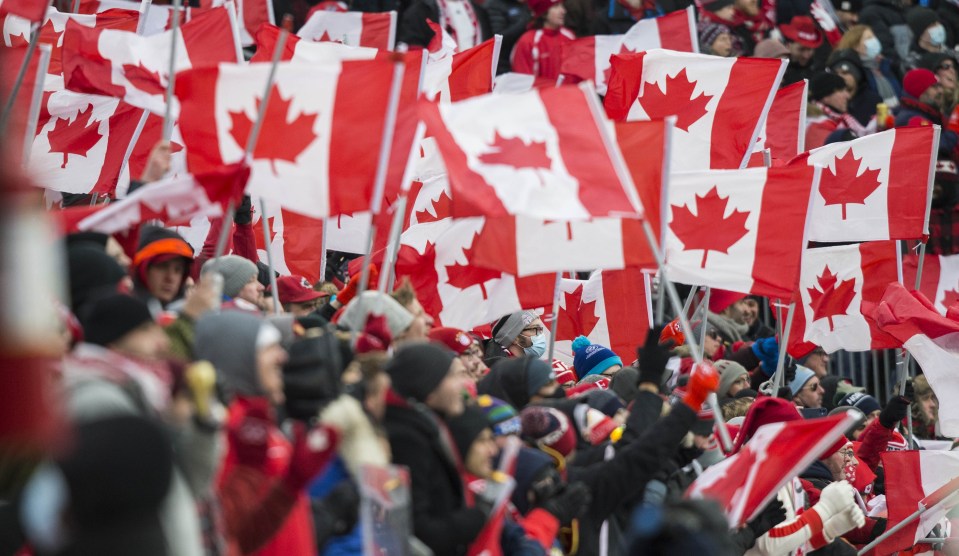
(459,20)
(930,112)
(883,86)
(846,120)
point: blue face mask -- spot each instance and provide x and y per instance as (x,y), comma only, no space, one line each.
(873,48)
(937,35)
(538,348)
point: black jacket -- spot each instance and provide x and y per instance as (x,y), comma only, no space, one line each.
(414,31)
(508,18)
(440,517)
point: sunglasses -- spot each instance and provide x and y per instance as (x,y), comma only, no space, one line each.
(946,66)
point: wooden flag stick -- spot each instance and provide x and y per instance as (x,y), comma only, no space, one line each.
(168,118)
(21,75)
(553,323)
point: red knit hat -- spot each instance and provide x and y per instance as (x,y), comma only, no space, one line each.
(763,412)
(917,81)
(719,300)
(453,338)
(802,29)
(540,7)
(546,427)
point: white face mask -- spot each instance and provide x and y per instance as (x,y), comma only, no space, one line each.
(873,48)
(937,35)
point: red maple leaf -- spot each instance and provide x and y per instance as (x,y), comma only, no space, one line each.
(709,229)
(280,138)
(76,137)
(44,117)
(950,298)
(49,35)
(517,153)
(844,185)
(463,276)
(421,270)
(18,41)
(441,209)
(325,37)
(144,79)
(832,297)
(677,100)
(576,317)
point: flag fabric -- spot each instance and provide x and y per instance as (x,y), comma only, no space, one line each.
(786,138)
(463,75)
(940,278)
(375,30)
(738,230)
(720,104)
(745,482)
(136,68)
(837,284)
(587,58)
(932,339)
(921,477)
(545,154)
(875,187)
(252,14)
(510,82)
(26,107)
(295,240)
(309,157)
(150,135)
(301,50)
(154,18)
(31,10)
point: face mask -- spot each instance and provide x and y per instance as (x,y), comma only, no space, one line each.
(937,35)
(538,348)
(873,48)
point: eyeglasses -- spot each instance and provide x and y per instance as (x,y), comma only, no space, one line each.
(531,331)
(848,453)
(814,387)
(946,66)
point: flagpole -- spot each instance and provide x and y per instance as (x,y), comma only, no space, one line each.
(392,244)
(21,75)
(705,323)
(689,299)
(724,438)
(76,6)
(778,377)
(907,366)
(899,526)
(171,76)
(144,10)
(34,114)
(660,299)
(269,257)
(553,323)
(326,231)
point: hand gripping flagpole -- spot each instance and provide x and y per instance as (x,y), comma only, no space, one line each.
(171,76)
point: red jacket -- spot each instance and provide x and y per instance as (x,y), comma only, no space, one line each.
(539,52)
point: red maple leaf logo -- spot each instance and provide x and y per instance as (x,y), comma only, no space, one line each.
(144,79)
(441,209)
(18,41)
(517,153)
(421,270)
(832,297)
(466,275)
(280,138)
(576,318)
(845,185)
(950,298)
(709,229)
(75,137)
(325,37)
(677,100)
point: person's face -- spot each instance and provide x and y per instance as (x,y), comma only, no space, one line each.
(269,371)
(147,341)
(722,45)
(933,95)
(525,338)
(726,13)
(555,16)
(302,309)
(866,35)
(750,310)
(447,398)
(375,400)
(929,407)
(818,362)
(712,344)
(737,312)
(479,458)
(799,54)
(420,326)
(547,391)
(165,278)
(849,78)
(946,72)
(472,359)
(747,7)
(838,100)
(252,291)
(115,250)
(740,384)
(838,462)
(811,394)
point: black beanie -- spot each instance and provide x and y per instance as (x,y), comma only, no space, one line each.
(919,19)
(464,429)
(824,84)
(90,271)
(311,375)
(417,369)
(87,237)
(112,317)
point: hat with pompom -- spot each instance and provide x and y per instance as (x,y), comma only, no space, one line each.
(548,429)
(592,359)
(502,416)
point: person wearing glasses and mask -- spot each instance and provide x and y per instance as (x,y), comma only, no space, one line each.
(516,335)
(806,389)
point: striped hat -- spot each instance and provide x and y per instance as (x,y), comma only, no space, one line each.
(502,416)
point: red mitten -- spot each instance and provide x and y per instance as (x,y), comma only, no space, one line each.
(673,331)
(375,336)
(313,448)
(703,381)
(249,438)
(348,292)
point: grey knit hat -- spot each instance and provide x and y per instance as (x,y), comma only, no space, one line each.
(728,371)
(354,316)
(507,328)
(236,271)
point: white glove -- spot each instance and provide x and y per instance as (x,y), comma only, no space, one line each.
(851,518)
(835,499)
(344,414)
(822,17)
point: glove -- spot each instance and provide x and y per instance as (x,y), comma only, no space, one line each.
(571,503)
(785,393)
(835,499)
(345,414)
(895,411)
(348,292)
(653,357)
(336,514)
(249,440)
(910,392)
(672,332)
(822,17)
(773,514)
(851,518)
(789,370)
(313,448)
(244,212)
(703,381)
(767,350)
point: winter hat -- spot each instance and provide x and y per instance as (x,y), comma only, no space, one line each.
(228,340)
(296,289)
(592,359)
(709,31)
(849,6)
(311,375)
(540,7)
(847,60)
(843,388)
(98,238)
(917,81)
(802,29)
(594,426)
(563,372)
(158,244)
(501,415)
(803,374)
(418,369)
(824,84)
(588,384)
(920,385)
(861,401)
(716,5)
(763,412)
(720,300)
(538,374)
(453,338)
(624,383)
(770,48)
(932,60)
(113,317)
(531,464)
(90,272)
(465,428)
(919,19)
(946,171)
(605,401)
(237,272)
(841,410)
(506,380)
(729,372)
(507,328)
(549,429)
(355,314)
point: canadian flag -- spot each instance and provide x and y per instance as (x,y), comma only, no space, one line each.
(720,104)
(510,82)
(744,483)
(136,68)
(875,187)
(172,201)
(26,107)
(150,135)
(940,279)
(31,10)
(787,137)
(922,478)
(588,58)
(154,18)
(545,154)
(932,339)
(837,284)
(301,50)
(309,157)
(462,75)
(738,230)
(295,241)
(375,30)
(253,14)
(620,324)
